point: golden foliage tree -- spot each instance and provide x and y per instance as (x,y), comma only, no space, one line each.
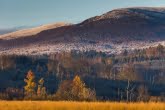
(75,90)
(41,91)
(30,84)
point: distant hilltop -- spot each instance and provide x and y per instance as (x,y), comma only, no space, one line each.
(125,28)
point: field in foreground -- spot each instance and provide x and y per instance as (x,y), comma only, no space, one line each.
(50,105)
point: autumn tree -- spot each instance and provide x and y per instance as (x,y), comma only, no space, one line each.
(41,91)
(30,84)
(75,90)
(78,88)
(64,90)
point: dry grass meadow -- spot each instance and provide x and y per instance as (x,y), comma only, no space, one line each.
(50,105)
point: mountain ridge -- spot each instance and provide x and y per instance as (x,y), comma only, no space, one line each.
(31,31)
(124,25)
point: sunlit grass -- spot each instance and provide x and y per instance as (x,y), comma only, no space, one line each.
(61,105)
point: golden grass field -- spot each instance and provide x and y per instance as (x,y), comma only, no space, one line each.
(61,105)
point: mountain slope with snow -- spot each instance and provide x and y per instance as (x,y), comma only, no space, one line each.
(112,32)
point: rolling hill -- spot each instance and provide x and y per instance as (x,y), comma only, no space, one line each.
(112,32)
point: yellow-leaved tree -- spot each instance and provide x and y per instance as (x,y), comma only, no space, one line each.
(78,88)
(41,91)
(75,90)
(30,84)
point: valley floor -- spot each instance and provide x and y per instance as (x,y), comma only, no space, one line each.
(61,105)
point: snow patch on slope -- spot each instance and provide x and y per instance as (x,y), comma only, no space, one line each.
(109,48)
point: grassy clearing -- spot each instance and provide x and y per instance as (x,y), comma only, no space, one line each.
(50,105)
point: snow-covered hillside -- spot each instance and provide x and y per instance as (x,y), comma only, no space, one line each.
(109,48)
(112,32)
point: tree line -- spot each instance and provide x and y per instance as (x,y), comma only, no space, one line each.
(130,76)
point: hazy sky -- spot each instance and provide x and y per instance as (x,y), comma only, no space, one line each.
(15,13)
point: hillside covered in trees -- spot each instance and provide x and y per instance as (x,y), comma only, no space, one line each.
(137,75)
